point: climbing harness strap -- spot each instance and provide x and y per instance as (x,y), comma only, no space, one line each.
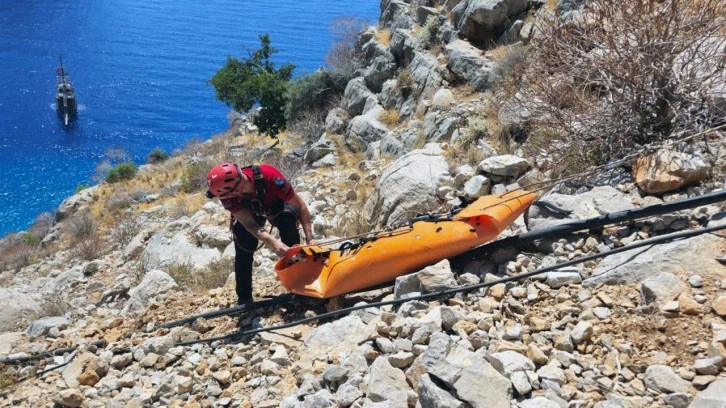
(256,203)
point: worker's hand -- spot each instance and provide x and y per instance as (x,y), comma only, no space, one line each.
(280,249)
(311,242)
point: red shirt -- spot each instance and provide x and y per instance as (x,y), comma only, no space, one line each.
(277,189)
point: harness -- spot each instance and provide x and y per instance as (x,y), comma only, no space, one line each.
(256,203)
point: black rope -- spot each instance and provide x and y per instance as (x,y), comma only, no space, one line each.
(590,223)
(51,353)
(647,242)
(47,370)
(279,300)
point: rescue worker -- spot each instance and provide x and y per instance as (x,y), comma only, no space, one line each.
(254,195)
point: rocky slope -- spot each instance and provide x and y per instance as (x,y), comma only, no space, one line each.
(641,328)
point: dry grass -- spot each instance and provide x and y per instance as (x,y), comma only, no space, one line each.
(52,308)
(194,280)
(390,117)
(465,92)
(458,154)
(384,36)
(7,377)
(356,221)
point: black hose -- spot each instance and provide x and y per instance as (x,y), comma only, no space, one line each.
(51,353)
(590,223)
(279,300)
(646,242)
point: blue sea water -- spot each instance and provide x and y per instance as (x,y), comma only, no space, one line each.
(140,70)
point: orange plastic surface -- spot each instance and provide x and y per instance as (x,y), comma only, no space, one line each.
(405,250)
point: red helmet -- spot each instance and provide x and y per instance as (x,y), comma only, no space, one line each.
(223,179)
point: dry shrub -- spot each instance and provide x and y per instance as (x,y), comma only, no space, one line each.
(343,57)
(458,154)
(80,226)
(309,125)
(428,36)
(138,193)
(192,147)
(613,79)
(217,149)
(7,377)
(179,209)
(356,220)
(475,130)
(187,277)
(194,176)
(405,82)
(85,241)
(181,272)
(120,199)
(384,36)
(17,254)
(20,250)
(218,272)
(389,117)
(291,167)
(510,62)
(41,226)
(91,247)
(51,308)
(126,228)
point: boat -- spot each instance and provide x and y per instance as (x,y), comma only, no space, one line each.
(380,257)
(65,99)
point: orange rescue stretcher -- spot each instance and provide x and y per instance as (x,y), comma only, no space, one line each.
(323,272)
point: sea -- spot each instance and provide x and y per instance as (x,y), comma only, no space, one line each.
(140,69)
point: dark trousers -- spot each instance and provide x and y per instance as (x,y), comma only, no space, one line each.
(246,245)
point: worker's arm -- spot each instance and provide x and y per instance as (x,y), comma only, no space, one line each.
(247,220)
(304,216)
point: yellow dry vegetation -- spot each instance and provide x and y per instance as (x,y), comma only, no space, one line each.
(389,117)
(384,36)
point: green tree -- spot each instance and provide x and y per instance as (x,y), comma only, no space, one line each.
(243,84)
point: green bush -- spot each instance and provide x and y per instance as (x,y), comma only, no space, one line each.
(254,81)
(429,34)
(475,130)
(316,92)
(194,177)
(81,187)
(157,155)
(122,171)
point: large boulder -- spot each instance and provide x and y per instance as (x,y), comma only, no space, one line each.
(17,308)
(676,258)
(555,209)
(173,245)
(667,170)
(409,185)
(427,73)
(155,285)
(334,339)
(74,203)
(356,95)
(365,129)
(468,62)
(713,396)
(485,20)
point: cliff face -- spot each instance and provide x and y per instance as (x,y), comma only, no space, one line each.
(414,133)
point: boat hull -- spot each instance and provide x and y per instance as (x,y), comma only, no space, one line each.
(322,272)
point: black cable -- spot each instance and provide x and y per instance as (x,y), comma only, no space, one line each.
(651,241)
(51,353)
(47,370)
(279,300)
(590,223)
